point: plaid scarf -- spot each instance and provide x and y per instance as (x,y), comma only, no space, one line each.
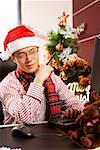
(52,99)
(24,78)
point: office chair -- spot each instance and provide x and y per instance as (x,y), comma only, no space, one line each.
(5,68)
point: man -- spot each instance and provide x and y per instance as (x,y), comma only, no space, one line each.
(27,92)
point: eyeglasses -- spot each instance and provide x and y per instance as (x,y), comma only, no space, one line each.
(32,53)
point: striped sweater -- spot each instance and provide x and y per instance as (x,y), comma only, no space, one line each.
(30,106)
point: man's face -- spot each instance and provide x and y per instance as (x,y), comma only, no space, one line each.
(27,59)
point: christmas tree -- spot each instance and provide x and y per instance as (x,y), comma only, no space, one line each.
(63,46)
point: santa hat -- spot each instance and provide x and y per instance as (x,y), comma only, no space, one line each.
(18,38)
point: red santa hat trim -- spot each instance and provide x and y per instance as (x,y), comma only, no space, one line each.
(18,38)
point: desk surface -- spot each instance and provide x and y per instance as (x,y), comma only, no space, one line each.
(46,138)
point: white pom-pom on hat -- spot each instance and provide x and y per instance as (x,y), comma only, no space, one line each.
(5,55)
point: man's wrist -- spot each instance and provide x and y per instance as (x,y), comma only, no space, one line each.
(39,81)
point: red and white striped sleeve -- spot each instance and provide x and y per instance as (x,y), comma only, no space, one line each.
(24,108)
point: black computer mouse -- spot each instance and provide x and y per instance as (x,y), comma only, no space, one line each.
(22,131)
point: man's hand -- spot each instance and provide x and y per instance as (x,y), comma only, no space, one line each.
(70,113)
(42,73)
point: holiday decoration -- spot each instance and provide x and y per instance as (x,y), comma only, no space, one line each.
(66,63)
(62,52)
(88,134)
(82,93)
(63,18)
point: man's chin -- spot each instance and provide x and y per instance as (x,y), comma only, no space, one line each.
(30,70)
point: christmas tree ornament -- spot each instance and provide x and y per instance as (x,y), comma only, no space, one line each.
(59,46)
(64,43)
(63,18)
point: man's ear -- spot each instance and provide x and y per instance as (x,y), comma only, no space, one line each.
(13,59)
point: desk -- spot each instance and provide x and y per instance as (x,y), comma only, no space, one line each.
(46,138)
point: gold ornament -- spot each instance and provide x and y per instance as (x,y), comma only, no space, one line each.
(59,46)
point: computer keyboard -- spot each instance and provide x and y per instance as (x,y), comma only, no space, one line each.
(66,123)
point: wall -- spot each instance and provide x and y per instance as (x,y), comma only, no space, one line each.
(87,11)
(42,15)
(7,19)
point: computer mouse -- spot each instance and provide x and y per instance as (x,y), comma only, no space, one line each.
(22,131)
